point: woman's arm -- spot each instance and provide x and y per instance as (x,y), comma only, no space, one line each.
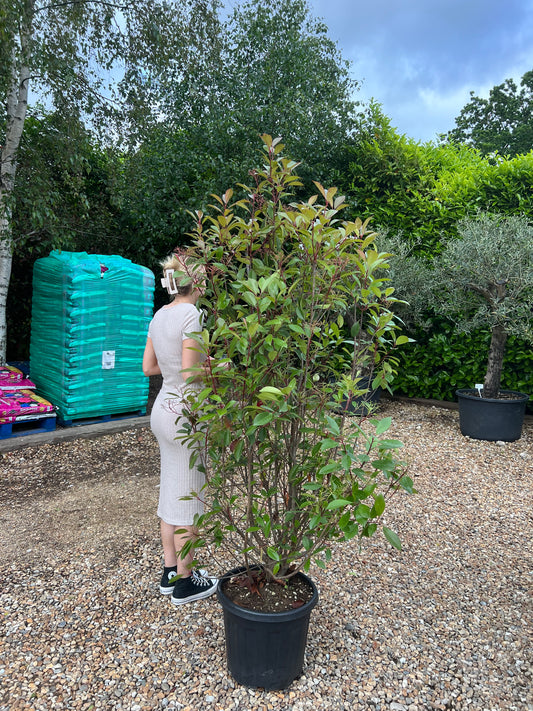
(150,364)
(190,359)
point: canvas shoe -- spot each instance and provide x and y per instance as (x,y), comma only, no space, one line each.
(168,580)
(195,587)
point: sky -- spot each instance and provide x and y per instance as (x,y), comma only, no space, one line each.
(421,58)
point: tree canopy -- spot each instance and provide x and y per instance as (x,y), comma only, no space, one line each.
(98,61)
(272,70)
(503,123)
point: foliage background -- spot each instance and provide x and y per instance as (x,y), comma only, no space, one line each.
(188,127)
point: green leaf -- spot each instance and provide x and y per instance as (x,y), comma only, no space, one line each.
(383,425)
(379,506)
(362,514)
(263,418)
(344,520)
(390,444)
(338,503)
(346,462)
(272,554)
(238,450)
(270,393)
(407,484)
(392,538)
(314,520)
(369,530)
(333,425)
(249,298)
(328,468)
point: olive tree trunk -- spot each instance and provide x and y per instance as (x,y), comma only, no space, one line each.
(493,376)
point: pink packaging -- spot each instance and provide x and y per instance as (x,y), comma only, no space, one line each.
(21,403)
(10,374)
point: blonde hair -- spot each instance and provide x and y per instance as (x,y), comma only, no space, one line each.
(186,273)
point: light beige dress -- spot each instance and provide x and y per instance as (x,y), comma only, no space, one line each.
(168,329)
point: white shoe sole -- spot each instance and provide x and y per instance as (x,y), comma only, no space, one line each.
(199,596)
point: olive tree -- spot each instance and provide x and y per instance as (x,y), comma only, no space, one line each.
(481,280)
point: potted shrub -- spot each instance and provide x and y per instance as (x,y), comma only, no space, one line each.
(357,362)
(285,476)
(482,280)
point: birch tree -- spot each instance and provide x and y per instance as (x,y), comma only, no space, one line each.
(274,71)
(107,62)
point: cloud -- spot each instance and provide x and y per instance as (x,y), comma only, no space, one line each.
(421,58)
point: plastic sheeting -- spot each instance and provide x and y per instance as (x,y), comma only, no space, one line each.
(90,316)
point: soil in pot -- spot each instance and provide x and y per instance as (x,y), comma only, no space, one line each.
(256,593)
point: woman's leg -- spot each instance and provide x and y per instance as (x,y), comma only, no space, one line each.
(172,545)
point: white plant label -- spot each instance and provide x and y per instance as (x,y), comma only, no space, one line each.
(108,360)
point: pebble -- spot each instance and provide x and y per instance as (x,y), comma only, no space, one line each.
(441,625)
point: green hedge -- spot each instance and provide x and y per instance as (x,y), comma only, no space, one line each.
(441,361)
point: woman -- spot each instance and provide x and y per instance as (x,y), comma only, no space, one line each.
(171,352)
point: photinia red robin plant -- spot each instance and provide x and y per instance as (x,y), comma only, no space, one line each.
(285,474)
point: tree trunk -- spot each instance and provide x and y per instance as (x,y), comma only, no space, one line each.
(5,274)
(493,376)
(17,102)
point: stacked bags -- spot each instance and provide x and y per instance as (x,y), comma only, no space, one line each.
(19,402)
(90,316)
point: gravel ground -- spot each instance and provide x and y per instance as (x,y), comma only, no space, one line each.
(445,624)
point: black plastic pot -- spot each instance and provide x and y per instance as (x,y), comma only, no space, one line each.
(265,649)
(358,406)
(492,419)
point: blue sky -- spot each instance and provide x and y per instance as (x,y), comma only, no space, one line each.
(421,58)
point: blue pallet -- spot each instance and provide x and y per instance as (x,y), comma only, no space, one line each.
(47,423)
(96,420)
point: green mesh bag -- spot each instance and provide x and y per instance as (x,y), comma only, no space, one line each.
(90,316)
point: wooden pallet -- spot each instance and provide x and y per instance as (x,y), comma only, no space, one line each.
(19,428)
(96,420)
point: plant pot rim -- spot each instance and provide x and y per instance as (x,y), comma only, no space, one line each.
(258,616)
(471,394)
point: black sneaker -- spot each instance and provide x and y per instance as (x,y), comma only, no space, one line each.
(195,587)
(168,581)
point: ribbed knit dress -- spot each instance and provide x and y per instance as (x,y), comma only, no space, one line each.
(168,329)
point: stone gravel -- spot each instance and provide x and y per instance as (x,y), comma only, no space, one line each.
(444,624)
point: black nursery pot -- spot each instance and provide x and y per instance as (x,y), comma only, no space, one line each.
(492,419)
(358,406)
(265,649)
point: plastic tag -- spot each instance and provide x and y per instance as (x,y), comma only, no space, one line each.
(108,360)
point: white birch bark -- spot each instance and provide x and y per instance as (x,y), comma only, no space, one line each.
(17,101)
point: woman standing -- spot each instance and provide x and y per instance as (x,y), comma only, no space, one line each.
(171,352)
